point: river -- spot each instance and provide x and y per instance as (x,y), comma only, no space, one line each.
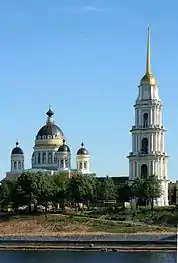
(86,257)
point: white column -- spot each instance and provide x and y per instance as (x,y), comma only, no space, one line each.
(152,142)
(163,142)
(133,169)
(151,117)
(41,156)
(133,142)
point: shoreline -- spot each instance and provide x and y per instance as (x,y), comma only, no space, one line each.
(87,249)
(74,233)
(97,241)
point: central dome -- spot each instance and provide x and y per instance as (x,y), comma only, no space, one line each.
(50,129)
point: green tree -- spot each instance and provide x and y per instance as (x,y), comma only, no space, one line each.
(61,182)
(172,193)
(81,189)
(147,190)
(137,190)
(47,190)
(4,195)
(152,188)
(31,185)
(123,193)
(106,190)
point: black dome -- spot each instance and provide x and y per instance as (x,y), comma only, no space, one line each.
(17,149)
(82,151)
(50,129)
(64,148)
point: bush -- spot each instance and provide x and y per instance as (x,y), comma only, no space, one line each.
(166,218)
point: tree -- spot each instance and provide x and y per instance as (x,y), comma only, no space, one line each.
(106,190)
(172,193)
(47,190)
(137,190)
(81,189)
(147,189)
(4,195)
(31,185)
(61,182)
(152,188)
(123,193)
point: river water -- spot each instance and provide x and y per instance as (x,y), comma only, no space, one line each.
(86,257)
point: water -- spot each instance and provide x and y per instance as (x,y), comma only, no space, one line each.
(86,257)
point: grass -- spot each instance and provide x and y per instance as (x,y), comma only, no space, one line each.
(52,224)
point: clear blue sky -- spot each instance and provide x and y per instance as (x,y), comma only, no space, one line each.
(85,58)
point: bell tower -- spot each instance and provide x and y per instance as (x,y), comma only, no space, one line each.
(148,156)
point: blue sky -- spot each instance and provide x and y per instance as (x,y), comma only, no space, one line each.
(86,59)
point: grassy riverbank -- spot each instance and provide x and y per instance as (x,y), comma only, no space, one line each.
(73,224)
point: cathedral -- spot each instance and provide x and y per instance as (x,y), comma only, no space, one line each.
(51,154)
(148,156)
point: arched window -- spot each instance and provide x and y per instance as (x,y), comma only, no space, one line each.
(49,157)
(144,148)
(55,158)
(144,171)
(44,158)
(85,165)
(62,164)
(15,165)
(66,163)
(39,158)
(80,165)
(145,120)
(19,165)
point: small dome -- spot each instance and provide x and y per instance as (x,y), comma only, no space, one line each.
(82,150)
(64,147)
(17,149)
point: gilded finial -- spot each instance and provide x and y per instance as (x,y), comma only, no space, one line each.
(148,78)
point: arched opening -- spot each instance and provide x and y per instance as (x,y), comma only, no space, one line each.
(80,166)
(55,158)
(144,171)
(144,148)
(66,163)
(145,120)
(44,158)
(15,165)
(85,165)
(62,164)
(39,158)
(49,157)
(19,165)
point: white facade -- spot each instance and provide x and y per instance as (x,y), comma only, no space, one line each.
(148,156)
(51,154)
(83,164)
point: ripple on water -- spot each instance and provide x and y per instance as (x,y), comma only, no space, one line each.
(87,257)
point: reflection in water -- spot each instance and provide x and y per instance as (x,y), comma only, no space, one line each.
(87,257)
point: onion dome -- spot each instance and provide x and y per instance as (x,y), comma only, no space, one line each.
(64,148)
(148,78)
(17,149)
(50,129)
(82,150)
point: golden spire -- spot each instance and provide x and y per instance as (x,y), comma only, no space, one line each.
(148,78)
(148,62)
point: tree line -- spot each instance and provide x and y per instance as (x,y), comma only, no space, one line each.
(41,189)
